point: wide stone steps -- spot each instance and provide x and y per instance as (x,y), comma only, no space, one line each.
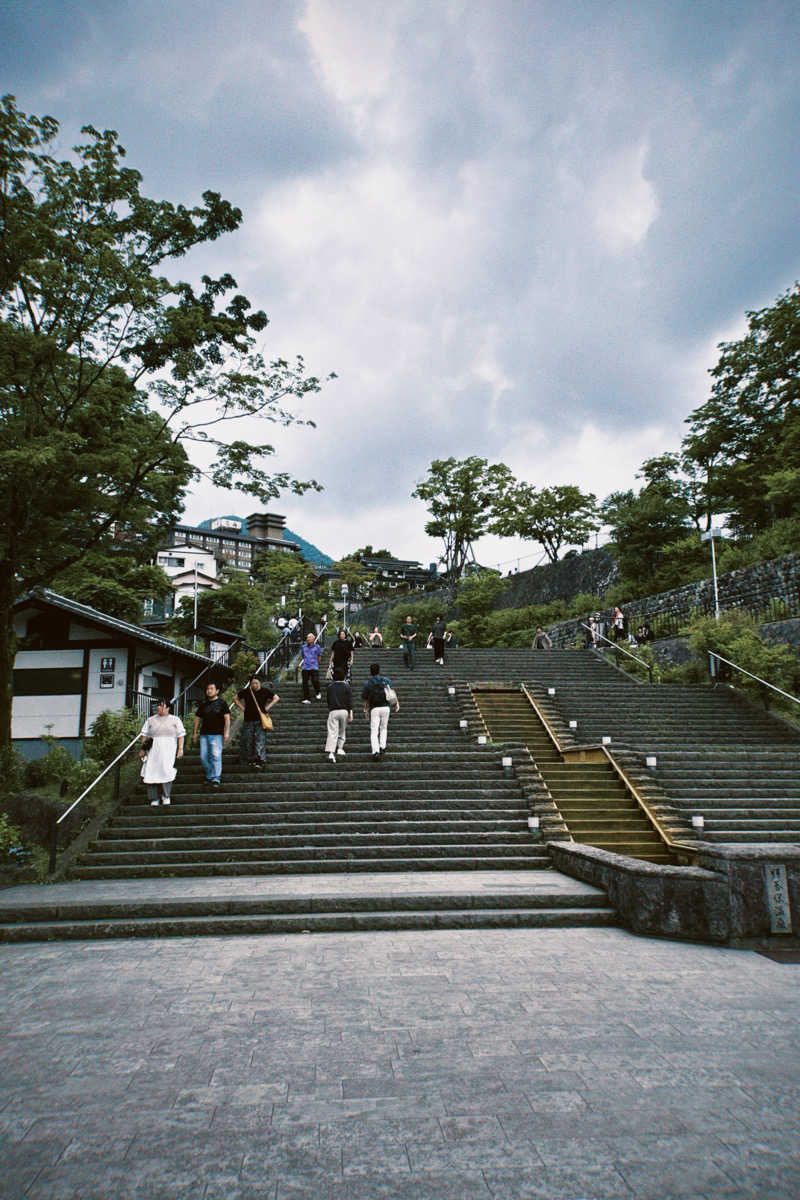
(329,824)
(592,799)
(301,913)
(300,842)
(324,863)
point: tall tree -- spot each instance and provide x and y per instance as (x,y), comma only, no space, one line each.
(108,370)
(552,517)
(747,435)
(655,531)
(461,495)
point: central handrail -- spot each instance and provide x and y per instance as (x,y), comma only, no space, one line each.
(712,654)
(616,646)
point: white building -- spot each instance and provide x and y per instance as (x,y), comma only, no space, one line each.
(73,662)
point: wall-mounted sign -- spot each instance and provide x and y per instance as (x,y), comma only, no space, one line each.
(107,678)
(107,664)
(780,914)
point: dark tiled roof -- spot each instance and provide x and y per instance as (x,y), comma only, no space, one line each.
(84,612)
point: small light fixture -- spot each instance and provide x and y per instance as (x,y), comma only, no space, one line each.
(481,739)
(451,691)
(573,724)
(651,760)
(462,725)
(606,741)
(551,691)
(698,821)
(533,823)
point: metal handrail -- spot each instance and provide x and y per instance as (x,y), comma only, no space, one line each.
(616,646)
(214,663)
(712,654)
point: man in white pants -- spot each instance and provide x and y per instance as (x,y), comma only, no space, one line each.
(340,714)
(376,708)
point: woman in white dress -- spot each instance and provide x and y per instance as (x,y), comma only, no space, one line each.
(158,758)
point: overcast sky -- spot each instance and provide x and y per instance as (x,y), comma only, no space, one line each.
(513,229)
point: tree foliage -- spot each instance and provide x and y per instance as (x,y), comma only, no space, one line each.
(461,496)
(747,435)
(735,636)
(113,582)
(656,542)
(552,517)
(108,369)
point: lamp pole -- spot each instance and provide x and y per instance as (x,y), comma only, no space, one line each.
(709,537)
(194,629)
(345,594)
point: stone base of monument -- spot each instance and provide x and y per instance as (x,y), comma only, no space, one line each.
(744,896)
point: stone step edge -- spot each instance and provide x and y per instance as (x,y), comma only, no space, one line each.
(219,906)
(311,923)
(536,861)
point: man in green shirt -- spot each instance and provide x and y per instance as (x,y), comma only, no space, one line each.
(408,635)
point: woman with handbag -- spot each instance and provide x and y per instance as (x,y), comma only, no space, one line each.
(255,701)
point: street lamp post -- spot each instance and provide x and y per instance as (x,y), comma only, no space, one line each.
(345,594)
(709,537)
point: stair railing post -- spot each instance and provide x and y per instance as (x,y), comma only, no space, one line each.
(51,865)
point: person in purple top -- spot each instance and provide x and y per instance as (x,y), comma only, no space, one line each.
(312,653)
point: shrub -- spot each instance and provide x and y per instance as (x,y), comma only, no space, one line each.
(735,636)
(110,733)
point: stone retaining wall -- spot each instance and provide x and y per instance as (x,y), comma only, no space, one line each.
(722,899)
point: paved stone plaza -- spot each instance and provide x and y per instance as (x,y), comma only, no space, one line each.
(563,1064)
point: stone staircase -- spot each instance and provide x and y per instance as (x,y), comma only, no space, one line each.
(435,802)
(717,755)
(597,807)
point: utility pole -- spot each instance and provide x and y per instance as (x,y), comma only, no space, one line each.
(709,537)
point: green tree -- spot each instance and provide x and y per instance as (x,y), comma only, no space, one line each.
(461,495)
(655,540)
(367,552)
(351,572)
(109,370)
(280,574)
(477,596)
(735,636)
(747,435)
(552,517)
(114,582)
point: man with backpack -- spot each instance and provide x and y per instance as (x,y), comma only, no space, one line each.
(378,696)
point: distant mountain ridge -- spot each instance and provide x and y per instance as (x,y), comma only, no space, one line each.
(311,553)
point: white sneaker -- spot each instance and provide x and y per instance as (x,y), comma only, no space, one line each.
(318,696)
(306,702)
(165,800)
(154,804)
(332,758)
(341,753)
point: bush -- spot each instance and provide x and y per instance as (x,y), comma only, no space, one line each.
(735,636)
(110,733)
(423,613)
(53,767)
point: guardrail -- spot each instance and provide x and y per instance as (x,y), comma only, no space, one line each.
(619,649)
(714,658)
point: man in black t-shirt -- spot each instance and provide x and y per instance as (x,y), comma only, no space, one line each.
(213,723)
(253,700)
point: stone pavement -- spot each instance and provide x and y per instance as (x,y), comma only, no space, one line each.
(445,1065)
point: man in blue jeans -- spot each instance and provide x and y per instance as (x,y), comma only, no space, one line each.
(213,722)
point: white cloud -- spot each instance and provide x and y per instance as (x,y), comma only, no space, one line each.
(623,202)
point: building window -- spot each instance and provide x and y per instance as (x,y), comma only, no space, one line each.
(48,681)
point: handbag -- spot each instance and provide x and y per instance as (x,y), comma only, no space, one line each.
(265,718)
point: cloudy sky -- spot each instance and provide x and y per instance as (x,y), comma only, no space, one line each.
(515,229)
